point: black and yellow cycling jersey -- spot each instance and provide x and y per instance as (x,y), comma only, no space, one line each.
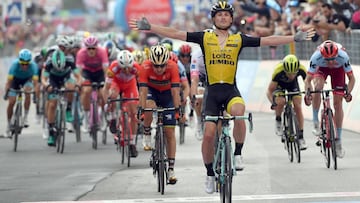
(283,81)
(221,63)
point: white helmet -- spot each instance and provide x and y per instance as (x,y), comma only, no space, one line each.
(125,59)
(159,55)
(65,41)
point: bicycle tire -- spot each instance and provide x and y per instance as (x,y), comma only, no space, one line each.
(16,126)
(161,155)
(325,142)
(62,131)
(288,123)
(77,121)
(296,132)
(332,138)
(94,126)
(126,135)
(226,185)
(104,130)
(60,127)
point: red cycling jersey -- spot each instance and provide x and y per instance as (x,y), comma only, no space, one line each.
(149,78)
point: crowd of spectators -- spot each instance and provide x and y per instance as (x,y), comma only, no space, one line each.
(254,17)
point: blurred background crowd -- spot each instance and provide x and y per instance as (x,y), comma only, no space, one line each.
(42,20)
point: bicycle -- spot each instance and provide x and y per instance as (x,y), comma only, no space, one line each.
(123,142)
(96,118)
(158,159)
(328,136)
(291,128)
(60,121)
(17,123)
(224,163)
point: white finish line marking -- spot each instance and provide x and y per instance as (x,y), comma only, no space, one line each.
(214,198)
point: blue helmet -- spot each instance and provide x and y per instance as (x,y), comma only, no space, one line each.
(25,55)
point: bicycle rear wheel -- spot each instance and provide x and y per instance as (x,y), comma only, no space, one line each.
(226,184)
(332,138)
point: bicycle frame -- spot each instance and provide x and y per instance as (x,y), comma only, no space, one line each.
(224,161)
(94,118)
(290,126)
(159,157)
(123,141)
(328,128)
(17,123)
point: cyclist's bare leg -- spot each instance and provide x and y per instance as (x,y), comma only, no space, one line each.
(339,112)
(27,100)
(316,98)
(11,103)
(149,115)
(133,120)
(298,110)
(207,147)
(170,141)
(280,101)
(239,131)
(70,96)
(51,107)
(85,98)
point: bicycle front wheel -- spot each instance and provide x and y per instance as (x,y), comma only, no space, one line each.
(226,185)
(182,132)
(288,124)
(16,126)
(325,142)
(296,132)
(161,162)
(60,138)
(332,138)
(126,131)
(77,121)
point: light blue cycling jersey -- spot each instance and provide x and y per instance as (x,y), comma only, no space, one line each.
(340,61)
(16,71)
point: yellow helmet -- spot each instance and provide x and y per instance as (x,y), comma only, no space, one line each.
(139,56)
(291,64)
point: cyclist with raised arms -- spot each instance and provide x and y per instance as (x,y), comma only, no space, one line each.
(56,75)
(121,79)
(93,63)
(330,59)
(159,84)
(283,78)
(221,50)
(23,72)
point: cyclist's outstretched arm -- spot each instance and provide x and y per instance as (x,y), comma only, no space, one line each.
(351,82)
(144,24)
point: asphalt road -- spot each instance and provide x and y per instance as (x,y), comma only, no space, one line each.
(36,173)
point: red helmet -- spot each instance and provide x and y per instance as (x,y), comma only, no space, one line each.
(185,49)
(173,57)
(329,49)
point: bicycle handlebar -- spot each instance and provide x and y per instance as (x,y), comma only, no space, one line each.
(122,99)
(216,118)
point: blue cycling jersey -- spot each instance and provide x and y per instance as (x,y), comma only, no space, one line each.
(16,71)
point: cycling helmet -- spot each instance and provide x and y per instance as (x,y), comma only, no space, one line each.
(329,49)
(125,59)
(65,41)
(185,49)
(173,57)
(222,6)
(168,43)
(291,64)
(43,52)
(25,55)
(58,60)
(110,48)
(91,41)
(77,42)
(139,56)
(159,55)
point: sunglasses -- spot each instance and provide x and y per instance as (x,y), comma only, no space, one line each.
(91,48)
(185,55)
(160,66)
(24,62)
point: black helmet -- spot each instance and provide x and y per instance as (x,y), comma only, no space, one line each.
(222,6)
